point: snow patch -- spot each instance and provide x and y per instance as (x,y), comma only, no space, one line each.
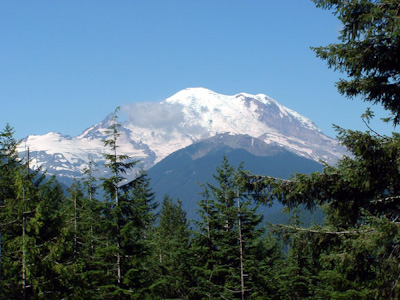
(152,131)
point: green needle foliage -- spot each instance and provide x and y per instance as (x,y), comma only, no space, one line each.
(171,253)
(355,254)
(30,227)
(126,217)
(368,52)
(232,256)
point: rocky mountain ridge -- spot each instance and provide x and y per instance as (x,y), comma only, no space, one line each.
(152,131)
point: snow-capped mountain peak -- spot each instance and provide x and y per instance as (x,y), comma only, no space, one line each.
(241,113)
(154,130)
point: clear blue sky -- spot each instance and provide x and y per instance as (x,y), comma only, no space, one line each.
(65,65)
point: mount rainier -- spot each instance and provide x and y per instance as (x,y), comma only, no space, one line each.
(152,131)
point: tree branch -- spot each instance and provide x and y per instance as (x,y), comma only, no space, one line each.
(352,232)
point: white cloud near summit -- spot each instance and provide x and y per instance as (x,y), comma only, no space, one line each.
(166,116)
(154,115)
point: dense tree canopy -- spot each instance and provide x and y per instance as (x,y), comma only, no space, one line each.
(236,261)
(355,254)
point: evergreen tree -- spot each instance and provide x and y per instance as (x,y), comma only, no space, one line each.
(139,216)
(81,237)
(368,52)
(296,277)
(30,225)
(10,163)
(228,241)
(126,215)
(89,180)
(357,248)
(44,229)
(11,218)
(171,255)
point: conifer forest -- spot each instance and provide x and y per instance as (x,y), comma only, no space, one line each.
(107,238)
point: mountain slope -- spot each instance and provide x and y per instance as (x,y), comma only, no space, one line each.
(180,174)
(152,131)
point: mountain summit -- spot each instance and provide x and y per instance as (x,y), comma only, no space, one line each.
(152,131)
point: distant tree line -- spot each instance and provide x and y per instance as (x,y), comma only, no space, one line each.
(76,244)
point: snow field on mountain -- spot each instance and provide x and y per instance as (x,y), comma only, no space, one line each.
(153,131)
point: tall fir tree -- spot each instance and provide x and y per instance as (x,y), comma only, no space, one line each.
(81,237)
(357,248)
(30,227)
(126,215)
(171,261)
(228,241)
(297,279)
(139,216)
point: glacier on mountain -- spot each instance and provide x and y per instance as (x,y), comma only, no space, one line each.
(152,131)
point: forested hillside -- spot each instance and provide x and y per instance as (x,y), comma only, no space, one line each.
(74,244)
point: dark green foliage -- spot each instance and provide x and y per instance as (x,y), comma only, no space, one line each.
(10,163)
(355,254)
(66,246)
(368,52)
(126,216)
(297,277)
(171,253)
(228,242)
(81,236)
(357,249)
(30,227)
(137,219)
(57,246)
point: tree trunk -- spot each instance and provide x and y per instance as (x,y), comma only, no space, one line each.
(75,225)
(23,246)
(242,286)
